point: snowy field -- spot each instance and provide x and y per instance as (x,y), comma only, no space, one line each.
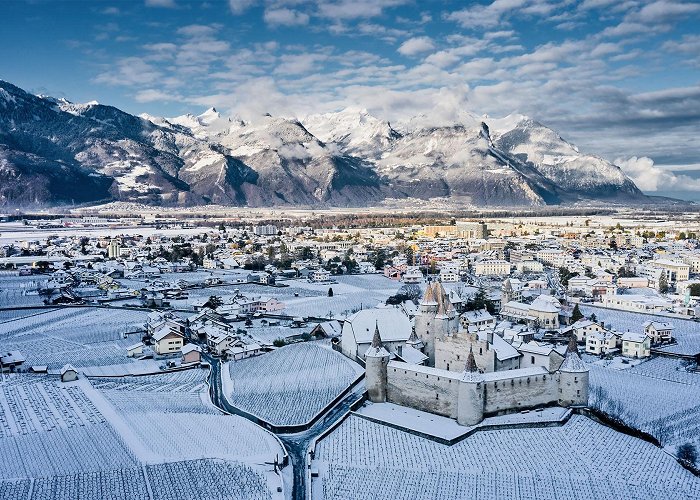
(686,332)
(74,440)
(51,429)
(290,385)
(667,408)
(16,290)
(350,294)
(82,336)
(580,460)
(172,418)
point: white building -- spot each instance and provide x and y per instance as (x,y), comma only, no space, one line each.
(492,268)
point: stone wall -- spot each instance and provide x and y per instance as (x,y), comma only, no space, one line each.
(520,392)
(423,388)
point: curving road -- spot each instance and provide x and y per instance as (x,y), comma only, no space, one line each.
(297,444)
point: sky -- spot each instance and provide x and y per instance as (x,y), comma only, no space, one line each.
(619,78)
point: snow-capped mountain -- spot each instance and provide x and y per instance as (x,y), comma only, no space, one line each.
(55,151)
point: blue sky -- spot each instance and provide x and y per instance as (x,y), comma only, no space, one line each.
(619,78)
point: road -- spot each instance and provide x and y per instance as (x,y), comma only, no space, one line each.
(296,444)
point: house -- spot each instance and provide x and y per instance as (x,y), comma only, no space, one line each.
(135,350)
(320,276)
(68,373)
(327,329)
(540,354)
(492,268)
(583,327)
(659,331)
(602,342)
(191,353)
(477,319)
(636,345)
(218,342)
(243,351)
(167,341)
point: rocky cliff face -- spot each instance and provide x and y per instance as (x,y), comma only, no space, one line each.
(53,151)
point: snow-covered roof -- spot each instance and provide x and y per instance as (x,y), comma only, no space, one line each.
(394,325)
(634,337)
(135,346)
(545,303)
(477,316)
(163,332)
(503,349)
(187,348)
(572,360)
(68,367)
(659,325)
(412,355)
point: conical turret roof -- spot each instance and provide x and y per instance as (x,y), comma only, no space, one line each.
(376,350)
(429,297)
(572,360)
(471,371)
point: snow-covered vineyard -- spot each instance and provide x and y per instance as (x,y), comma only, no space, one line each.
(80,336)
(667,408)
(135,437)
(290,385)
(580,460)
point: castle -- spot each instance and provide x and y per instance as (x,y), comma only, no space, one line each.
(465,379)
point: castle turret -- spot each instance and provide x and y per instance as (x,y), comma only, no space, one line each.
(376,359)
(573,377)
(470,398)
(414,341)
(425,322)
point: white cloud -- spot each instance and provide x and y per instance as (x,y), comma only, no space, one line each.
(240,6)
(649,177)
(170,4)
(416,45)
(285,17)
(154,95)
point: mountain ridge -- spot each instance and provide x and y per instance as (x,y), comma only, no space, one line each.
(53,151)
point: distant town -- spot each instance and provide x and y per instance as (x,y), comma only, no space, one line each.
(312,354)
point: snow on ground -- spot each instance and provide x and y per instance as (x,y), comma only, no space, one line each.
(686,332)
(579,460)
(350,294)
(448,428)
(171,416)
(82,336)
(73,440)
(667,408)
(290,385)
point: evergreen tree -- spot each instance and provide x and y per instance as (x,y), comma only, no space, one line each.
(330,292)
(576,314)
(663,283)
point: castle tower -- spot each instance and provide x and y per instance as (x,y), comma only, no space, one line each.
(376,359)
(425,322)
(506,292)
(573,377)
(470,396)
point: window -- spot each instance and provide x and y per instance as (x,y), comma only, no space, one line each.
(532,360)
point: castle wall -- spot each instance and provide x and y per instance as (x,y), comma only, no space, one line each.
(522,391)
(451,354)
(423,388)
